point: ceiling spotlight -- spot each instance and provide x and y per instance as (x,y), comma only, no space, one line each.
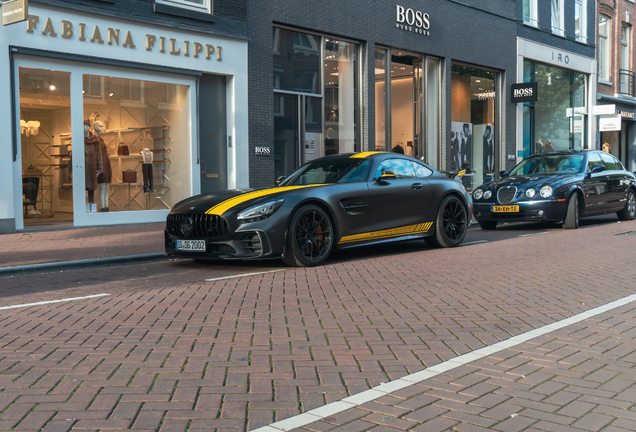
(50,85)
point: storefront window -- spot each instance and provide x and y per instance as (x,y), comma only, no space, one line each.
(558,119)
(341,94)
(433,111)
(296,61)
(472,148)
(380,98)
(136,144)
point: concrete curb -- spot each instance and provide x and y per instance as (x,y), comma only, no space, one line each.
(50,267)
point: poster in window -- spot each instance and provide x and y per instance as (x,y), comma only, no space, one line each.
(484,151)
(463,148)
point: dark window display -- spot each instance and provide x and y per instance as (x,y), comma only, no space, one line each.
(558,119)
(472,138)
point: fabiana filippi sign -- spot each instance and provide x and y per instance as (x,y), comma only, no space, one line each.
(124,38)
(412,20)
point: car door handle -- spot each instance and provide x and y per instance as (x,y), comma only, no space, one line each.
(417,186)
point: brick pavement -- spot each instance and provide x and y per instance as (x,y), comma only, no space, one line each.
(241,353)
(80,243)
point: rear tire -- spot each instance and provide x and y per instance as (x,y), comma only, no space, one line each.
(487,225)
(629,212)
(572,213)
(450,225)
(309,237)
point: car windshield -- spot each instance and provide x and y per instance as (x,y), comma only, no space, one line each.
(549,164)
(329,170)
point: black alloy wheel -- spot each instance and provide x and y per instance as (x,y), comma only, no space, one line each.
(451,223)
(309,237)
(629,212)
(572,213)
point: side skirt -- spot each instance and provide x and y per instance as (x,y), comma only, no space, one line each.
(390,240)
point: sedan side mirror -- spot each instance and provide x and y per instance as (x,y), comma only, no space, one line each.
(598,168)
(387,174)
(280,179)
(503,174)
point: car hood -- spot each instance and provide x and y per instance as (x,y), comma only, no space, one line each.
(537,181)
(232,200)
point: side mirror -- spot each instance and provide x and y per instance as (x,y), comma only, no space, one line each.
(387,174)
(280,179)
(503,174)
(598,168)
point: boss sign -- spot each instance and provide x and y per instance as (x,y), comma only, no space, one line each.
(408,18)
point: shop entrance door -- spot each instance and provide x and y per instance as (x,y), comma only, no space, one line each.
(406,102)
(297,131)
(213,133)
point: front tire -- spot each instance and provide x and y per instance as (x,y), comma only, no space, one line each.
(309,237)
(572,213)
(487,225)
(451,223)
(629,212)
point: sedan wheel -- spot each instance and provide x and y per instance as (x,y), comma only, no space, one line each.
(309,237)
(572,213)
(629,212)
(451,223)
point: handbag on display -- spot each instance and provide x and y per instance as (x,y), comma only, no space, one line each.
(122,150)
(129,176)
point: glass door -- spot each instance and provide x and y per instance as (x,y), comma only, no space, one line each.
(297,132)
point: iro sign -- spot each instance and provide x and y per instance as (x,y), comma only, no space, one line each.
(262,151)
(524,92)
(412,21)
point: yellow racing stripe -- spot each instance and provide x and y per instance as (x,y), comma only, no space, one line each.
(365,154)
(394,232)
(224,206)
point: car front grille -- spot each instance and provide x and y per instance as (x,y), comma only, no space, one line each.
(196,225)
(505,195)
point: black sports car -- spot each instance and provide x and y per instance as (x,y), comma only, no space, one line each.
(332,202)
(558,187)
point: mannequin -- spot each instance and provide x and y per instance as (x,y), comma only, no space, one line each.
(104,173)
(146,169)
(90,162)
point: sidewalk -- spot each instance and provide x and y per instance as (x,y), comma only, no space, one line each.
(80,244)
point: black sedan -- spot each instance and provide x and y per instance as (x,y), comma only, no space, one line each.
(332,202)
(558,187)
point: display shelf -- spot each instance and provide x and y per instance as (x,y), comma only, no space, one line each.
(132,156)
(157,161)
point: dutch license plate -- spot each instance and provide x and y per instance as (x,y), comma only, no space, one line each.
(505,209)
(191,245)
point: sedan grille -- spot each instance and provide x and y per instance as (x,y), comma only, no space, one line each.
(196,225)
(505,195)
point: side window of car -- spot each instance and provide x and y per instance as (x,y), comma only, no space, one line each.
(358,173)
(593,159)
(609,161)
(401,167)
(420,170)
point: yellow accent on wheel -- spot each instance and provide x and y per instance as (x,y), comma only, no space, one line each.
(461,173)
(365,154)
(226,205)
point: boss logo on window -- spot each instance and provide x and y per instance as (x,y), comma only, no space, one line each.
(262,151)
(525,92)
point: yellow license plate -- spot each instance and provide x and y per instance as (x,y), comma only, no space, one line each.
(505,209)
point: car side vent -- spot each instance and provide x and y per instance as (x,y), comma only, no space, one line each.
(196,225)
(505,195)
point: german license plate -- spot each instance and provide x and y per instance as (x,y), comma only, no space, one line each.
(505,209)
(191,245)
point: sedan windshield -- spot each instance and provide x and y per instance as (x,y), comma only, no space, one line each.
(328,170)
(552,164)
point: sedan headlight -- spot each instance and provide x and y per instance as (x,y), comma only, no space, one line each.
(530,193)
(478,194)
(260,211)
(487,194)
(546,191)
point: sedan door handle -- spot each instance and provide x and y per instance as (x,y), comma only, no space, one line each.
(417,185)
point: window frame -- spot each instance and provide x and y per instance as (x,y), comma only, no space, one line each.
(582,35)
(532,19)
(559,31)
(206,7)
(603,50)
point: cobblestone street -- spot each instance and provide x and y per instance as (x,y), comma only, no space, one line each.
(167,350)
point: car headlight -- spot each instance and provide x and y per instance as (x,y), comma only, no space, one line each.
(260,211)
(530,193)
(478,194)
(546,191)
(487,194)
